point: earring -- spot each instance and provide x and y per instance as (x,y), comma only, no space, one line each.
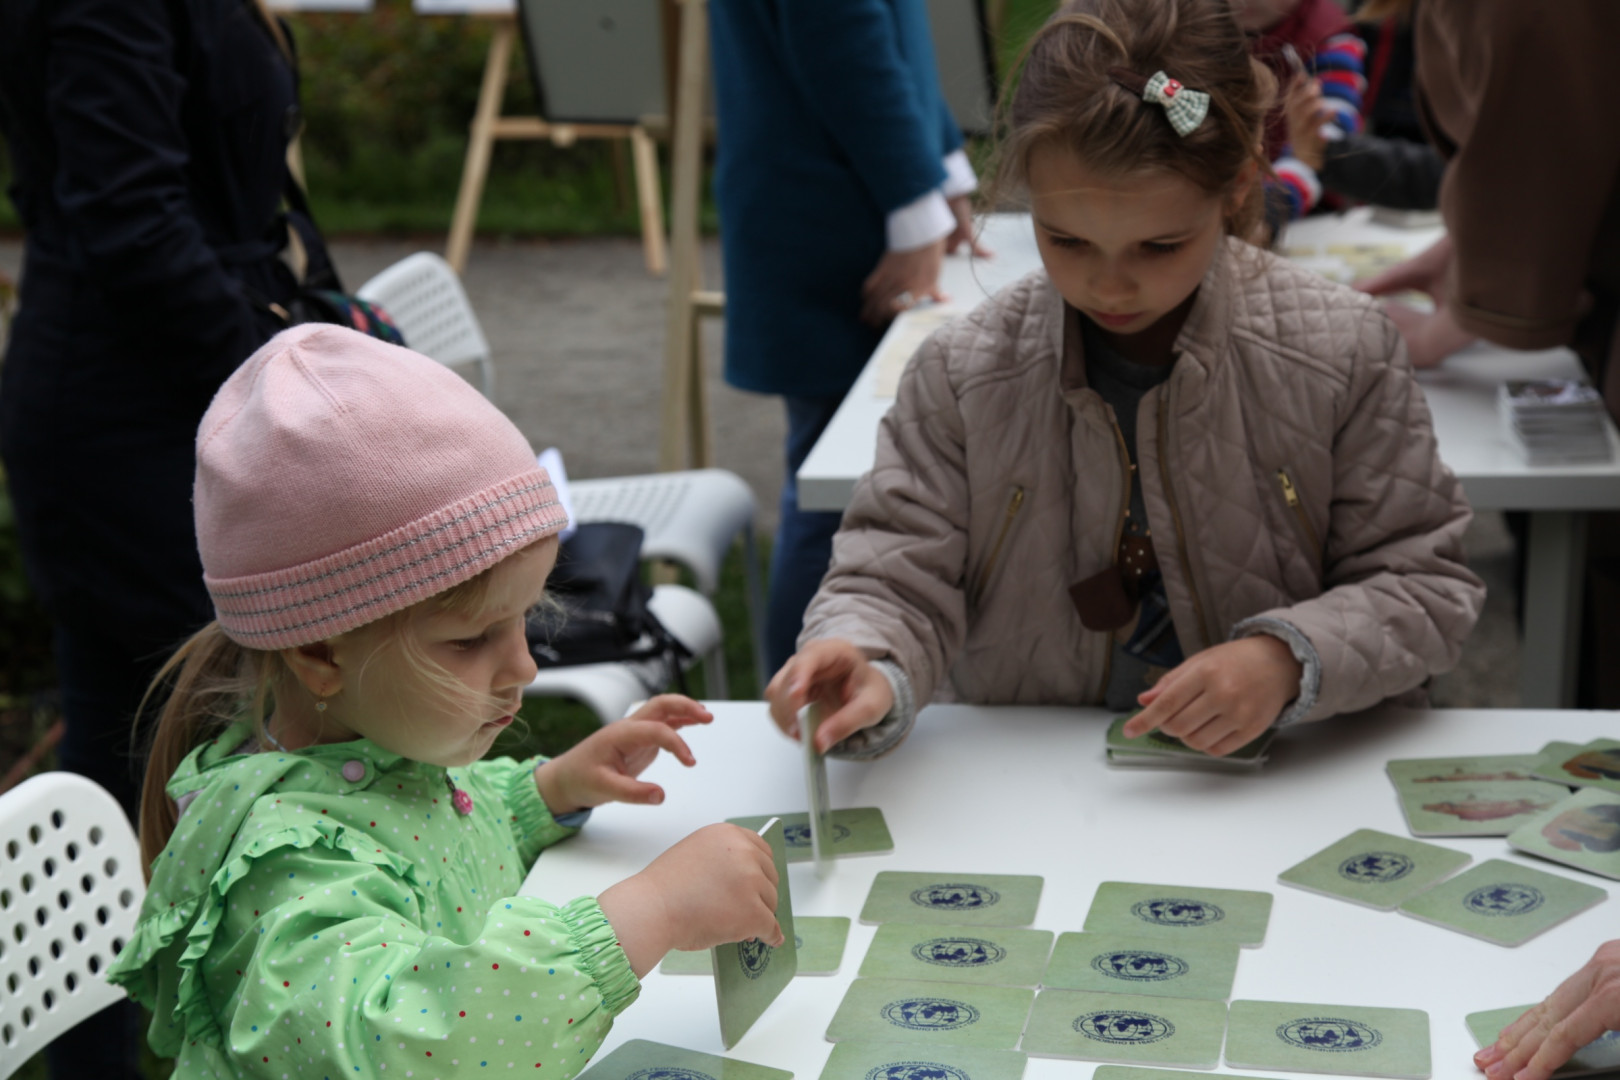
(320,706)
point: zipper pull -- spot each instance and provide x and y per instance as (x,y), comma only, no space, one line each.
(1289,494)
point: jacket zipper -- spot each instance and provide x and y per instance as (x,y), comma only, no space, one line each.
(1119,533)
(1175,515)
(1014,504)
(1291,497)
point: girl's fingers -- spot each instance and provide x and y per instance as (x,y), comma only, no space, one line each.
(1170,696)
(1586,1023)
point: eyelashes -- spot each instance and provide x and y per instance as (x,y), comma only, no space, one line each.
(1070,243)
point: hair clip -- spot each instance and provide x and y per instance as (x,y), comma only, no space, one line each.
(1184,108)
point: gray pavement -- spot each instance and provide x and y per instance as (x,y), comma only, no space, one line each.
(577,326)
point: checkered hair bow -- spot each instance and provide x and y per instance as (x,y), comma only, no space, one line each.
(1184,108)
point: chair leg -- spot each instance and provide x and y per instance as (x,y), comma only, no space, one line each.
(716,686)
(756,607)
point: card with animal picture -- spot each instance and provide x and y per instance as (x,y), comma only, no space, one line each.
(644,1059)
(1601,1055)
(1485,808)
(1111,963)
(1496,768)
(997,955)
(857,831)
(1180,913)
(749,975)
(1583,831)
(1596,764)
(1550,759)
(953,899)
(932,1013)
(1375,869)
(1345,1040)
(1126,1028)
(819,940)
(1503,902)
(860,1060)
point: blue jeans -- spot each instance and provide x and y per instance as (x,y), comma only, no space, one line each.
(803,539)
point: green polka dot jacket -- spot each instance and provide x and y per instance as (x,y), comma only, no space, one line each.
(328,913)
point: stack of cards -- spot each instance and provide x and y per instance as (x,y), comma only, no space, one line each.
(1596,764)
(1598,1056)
(1471,796)
(1503,903)
(1158,751)
(1375,869)
(1583,831)
(1555,421)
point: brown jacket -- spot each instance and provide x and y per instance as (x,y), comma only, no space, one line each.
(1001,480)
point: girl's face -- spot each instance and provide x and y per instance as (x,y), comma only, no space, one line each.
(1126,252)
(383,696)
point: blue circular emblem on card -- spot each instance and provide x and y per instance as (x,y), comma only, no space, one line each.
(754,956)
(1505,899)
(1124,1028)
(798,836)
(955,896)
(959,952)
(1376,867)
(917,1070)
(930,1014)
(1174,912)
(1329,1033)
(668,1072)
(1138,965)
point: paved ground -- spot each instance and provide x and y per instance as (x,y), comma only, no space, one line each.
(576,328)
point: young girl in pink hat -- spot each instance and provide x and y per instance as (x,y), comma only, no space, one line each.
(334,869)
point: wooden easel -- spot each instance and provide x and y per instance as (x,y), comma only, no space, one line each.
(488,125)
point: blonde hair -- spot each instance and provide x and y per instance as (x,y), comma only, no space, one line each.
(1061,93)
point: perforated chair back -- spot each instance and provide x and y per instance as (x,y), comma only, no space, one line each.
(70,891)
(425,298)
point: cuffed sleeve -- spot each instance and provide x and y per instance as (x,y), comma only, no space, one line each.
(919,223)
(889,732)
(1310,679)
(960,179)
(534,827)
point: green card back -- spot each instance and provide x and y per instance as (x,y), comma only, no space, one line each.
(645,1060)
(857,831)
(1180,913)
(858,1060)
(1126,1028)
(1503,902)
(1375,869)
(953,899)
(993,955)
(899,1010)
(1117,964)
(1127,1072)
(819,940)
(1598,1056)
(1346,1040)
(1583,831)
(748,975)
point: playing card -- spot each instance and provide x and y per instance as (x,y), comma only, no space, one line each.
(1127,1072)
(1478,808)
(1503,902)
(1375,869)
(1598,1056)
(968,954)
(858,1060)
(1157,743)
(1597,764)
(1126,1028)
(857,831)
(1462,770)
(748,975)
(815,781)
(1113,963)
(645,1060)
(1583,831)
(900,1010)
(953,899)
(1180,913)
(1346,1040)
(1550,762)
(819,940)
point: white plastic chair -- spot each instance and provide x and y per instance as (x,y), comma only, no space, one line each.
(426,301)
(70,891)
(610,689)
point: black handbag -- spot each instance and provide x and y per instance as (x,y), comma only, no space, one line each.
(598,611)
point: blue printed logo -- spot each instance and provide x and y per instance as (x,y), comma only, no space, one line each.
(1506,899)
(954,896)
(754,956)
(1375,867)
(930,1014)
(1124,1028)
(668,1072)
(798,836)
(959,952)
(1329,1033)
(1176,912)
(798,941)
(917,1070)
(1137,965)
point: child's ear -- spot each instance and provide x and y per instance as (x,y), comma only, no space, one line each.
(315,666)
(1238,196)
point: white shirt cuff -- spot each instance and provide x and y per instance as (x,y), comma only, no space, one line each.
(920,222)
(959,177)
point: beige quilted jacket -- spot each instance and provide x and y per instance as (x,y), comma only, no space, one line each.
(1288,467)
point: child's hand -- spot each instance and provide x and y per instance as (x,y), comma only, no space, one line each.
(603,767)
(1580,1010)
(716,886)
(837,676)
(1223,698)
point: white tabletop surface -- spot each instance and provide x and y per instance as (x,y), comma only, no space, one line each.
(1026,790)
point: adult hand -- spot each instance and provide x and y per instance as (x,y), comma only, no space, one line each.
(1430,336)
(1582,1009)
(901,280)
(716,886)
(1303,108)
(603,767)
(1221,699)
(837,676)
(962,209)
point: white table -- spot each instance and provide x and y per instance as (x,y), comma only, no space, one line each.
(1025,790)
(1462,397)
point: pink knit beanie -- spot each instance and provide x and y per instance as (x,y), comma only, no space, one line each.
(340,479)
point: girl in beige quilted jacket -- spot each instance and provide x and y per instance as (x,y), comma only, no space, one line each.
(1169,470)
